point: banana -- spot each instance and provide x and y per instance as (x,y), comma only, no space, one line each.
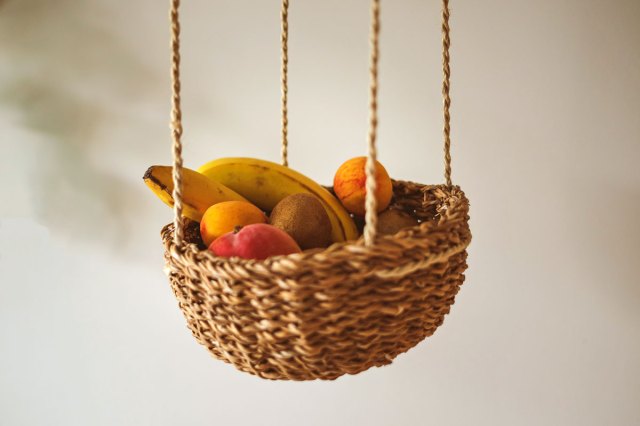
(198,191)
(265,183)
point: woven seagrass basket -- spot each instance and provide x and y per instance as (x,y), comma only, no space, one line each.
(324,312)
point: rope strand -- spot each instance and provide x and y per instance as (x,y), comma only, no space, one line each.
(370,167)
(176,122)
(446,43)
(284,18)
(371,214)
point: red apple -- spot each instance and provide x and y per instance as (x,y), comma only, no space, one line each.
(256,241)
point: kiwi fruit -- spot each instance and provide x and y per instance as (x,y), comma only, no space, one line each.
(304,218)
(391,221)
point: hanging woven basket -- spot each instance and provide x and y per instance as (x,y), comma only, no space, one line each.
(325,312)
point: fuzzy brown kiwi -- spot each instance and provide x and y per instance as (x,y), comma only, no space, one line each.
(391,221)
(304,218)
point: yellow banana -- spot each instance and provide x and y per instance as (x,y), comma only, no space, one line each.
(198,191)
(265,183)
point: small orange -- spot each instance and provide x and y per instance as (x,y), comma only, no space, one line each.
(226,216)
(349,185)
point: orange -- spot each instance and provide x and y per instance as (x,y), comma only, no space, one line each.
(226,216)
(349,185)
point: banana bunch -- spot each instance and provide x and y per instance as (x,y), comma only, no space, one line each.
(260,182)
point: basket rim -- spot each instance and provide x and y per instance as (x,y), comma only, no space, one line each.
(191,254)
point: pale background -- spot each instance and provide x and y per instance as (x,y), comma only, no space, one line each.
(546,133)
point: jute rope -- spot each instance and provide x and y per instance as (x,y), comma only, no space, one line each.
(371,214)
(176,121)
(446,43)
(284,19)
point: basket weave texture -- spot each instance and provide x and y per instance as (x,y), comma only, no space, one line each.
(324,313)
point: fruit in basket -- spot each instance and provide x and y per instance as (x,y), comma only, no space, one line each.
(349,185)
(258,241)
(226,216)
(303,217)
(265,184)
(198,191)
(391,221)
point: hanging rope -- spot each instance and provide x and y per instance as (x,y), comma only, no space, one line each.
(284,18)
(446,43)
(371,215)
(176,122)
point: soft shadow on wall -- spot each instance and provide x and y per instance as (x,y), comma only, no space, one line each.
(71,84)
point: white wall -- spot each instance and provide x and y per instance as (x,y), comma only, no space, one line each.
(546,133)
